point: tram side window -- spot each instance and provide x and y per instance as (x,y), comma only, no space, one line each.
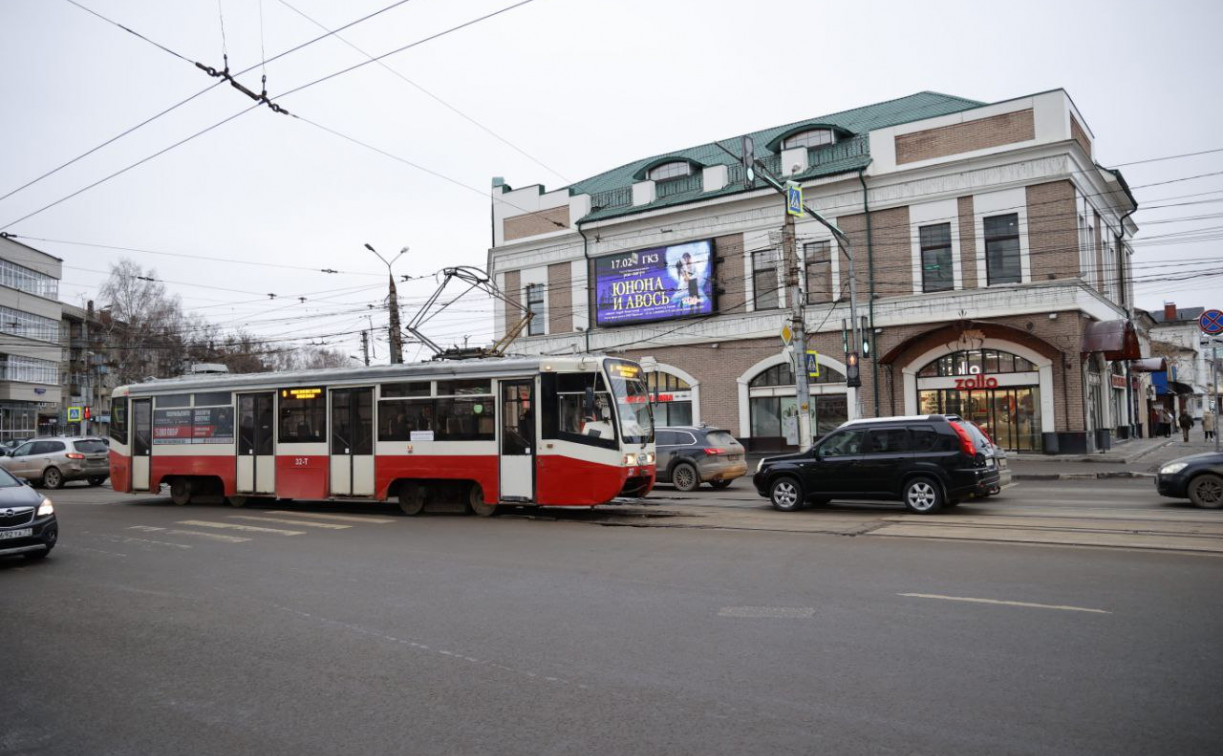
(462,419)
(118,420)
(577,422)
(397,419)
(174,400)
(303,420)
(414,388)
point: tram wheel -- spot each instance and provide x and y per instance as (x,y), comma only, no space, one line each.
(412,500)
(237,501)
(476,504)
(180,491)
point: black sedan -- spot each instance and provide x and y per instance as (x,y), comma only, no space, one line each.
(1198,478)
(27,520)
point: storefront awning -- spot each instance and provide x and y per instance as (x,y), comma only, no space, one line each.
(1148,365)
(1115,339)
(1180,388)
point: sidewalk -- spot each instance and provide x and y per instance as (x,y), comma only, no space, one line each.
(1135,458)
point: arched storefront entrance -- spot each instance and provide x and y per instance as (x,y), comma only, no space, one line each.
(768,402)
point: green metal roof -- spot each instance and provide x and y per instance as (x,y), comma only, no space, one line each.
(612,189)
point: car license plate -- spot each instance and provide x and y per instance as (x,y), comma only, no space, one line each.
(734,457)
(989,463)
(23,533)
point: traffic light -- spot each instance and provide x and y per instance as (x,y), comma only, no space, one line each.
(865,330)
(87,415)
(852,378)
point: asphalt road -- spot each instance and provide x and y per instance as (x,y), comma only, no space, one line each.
(326,629)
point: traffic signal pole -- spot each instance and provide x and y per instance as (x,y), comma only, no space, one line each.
(794,292)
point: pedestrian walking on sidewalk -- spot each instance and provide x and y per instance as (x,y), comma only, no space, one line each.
(1165,422)
(1186,422)
(1208,424)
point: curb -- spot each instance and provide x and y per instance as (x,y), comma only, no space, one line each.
(1080,476)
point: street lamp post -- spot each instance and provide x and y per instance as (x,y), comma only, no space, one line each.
(393,303)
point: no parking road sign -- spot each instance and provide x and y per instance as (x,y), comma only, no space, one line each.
(1211,322)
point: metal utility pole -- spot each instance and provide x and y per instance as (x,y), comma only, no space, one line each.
(794,292)
(365,347)
(393,304)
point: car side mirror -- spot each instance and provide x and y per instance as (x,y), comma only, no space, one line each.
(25,481)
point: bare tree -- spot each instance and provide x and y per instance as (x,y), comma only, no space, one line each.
(143,324)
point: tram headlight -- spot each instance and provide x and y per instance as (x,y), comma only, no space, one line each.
(649,458)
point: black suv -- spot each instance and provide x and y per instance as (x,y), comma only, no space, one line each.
(27,520)
(929,462)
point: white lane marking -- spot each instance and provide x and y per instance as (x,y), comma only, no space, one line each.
(302,523)
(342,518)
(1004,603)
(246,528)
(770,612)
(197,533)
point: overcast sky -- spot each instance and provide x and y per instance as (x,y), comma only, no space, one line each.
(550,92)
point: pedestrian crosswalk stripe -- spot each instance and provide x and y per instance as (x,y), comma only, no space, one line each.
(302,523)
(342,518)
(247,528)
(199,534)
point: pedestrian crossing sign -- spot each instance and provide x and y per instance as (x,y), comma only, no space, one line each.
(794,198)
(813,364)
(74,414)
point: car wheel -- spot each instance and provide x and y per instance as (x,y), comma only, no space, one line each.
(684,477)
(1206,491)
(52,478)
(476,504)
(720,484)
(786,493)
(97,480)
(923,496)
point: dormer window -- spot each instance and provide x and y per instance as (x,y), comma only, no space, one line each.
(810,138)
(673,170)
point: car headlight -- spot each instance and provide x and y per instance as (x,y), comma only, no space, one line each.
(1173,468)
(46,508)
(760,465)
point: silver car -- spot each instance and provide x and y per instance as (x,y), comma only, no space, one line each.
(51,462)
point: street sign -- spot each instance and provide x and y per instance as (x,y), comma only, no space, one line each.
(1211,322)
(787,335)
(813,364)
(74,414)
(794,198)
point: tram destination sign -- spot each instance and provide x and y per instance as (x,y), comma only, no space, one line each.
(662,283)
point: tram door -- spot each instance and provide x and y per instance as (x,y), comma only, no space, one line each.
(256,453)
(352,442)
(517,441)
(142,443)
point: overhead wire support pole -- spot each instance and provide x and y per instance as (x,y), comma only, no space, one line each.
(852,376)
(393,306)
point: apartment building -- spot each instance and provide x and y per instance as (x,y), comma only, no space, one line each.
(992,262)
(30,351)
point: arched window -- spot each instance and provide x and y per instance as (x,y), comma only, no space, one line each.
(976,362)
(773,405)
(810,138)
(673,170)
(671,397)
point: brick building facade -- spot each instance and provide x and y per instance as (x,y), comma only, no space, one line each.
(991,256)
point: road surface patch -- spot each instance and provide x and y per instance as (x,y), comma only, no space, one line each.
(997,602)
(767,612)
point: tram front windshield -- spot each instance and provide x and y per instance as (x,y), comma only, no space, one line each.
(633,408)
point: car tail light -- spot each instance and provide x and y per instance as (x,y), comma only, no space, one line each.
(712,452)
(966,444)
(74,455)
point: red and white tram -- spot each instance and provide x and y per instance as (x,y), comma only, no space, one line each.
(559,431)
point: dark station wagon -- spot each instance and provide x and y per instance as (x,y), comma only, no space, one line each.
(929,462)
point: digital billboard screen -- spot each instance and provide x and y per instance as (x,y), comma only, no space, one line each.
(654,284)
